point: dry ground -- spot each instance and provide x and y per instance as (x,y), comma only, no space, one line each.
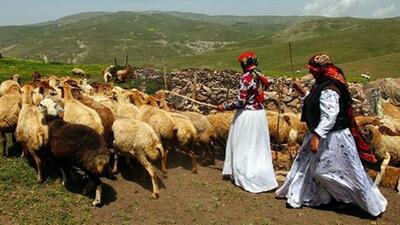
(185,198)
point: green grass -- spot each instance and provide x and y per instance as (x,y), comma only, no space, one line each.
(152,38)
(24,201)
(25,68)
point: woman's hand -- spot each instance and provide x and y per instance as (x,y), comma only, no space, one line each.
(221,107)
(314,143)
(299,88)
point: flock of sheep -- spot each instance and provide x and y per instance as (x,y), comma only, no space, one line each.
(90,127)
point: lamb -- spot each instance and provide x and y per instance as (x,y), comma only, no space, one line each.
(136,139)
(16,77)
(284,127)
(76,145)
(31,132)
(105,114)
(162,123)
(108,73)
(76,112)
(221,122)
(5,86)
(122,75)
(36,76)
(78,72)
(390,179)
(206,133)
(380,144)
(123,107)
(298,129)
(283,159)
(10,106)
(388,176)
(185,137)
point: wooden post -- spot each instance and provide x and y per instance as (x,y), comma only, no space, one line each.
(115,61)
(126,61)
(279,146)
(145,82)
(165,79)
(194,86)
(291,57)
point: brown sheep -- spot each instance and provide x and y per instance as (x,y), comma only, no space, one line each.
(122,75)
(106,115)
(35,77)
(76,145)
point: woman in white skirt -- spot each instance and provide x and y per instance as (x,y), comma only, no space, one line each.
(328,165)
(248,160)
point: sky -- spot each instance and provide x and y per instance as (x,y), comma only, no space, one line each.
(17,12)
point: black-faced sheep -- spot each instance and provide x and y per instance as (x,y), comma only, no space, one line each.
(76,145)
(78,72)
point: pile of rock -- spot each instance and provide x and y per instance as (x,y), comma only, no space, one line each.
(214,87)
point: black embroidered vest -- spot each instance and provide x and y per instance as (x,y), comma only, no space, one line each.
(311,111)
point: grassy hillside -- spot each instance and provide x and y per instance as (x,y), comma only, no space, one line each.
(182,40)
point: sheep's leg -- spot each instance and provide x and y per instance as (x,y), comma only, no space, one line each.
(13,138)
(398,186)
(88,187)
(164,158)
(4,144)
(24,151)
(115,166)
(143,160)
(99,189)
(38,162)
(190,152)
(379,176)
(64,181)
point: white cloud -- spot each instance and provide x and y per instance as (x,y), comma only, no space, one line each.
(386,12)
(333,7)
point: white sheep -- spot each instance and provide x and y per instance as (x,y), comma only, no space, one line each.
(76,112)
(31,132)
(10,106)
(136,139)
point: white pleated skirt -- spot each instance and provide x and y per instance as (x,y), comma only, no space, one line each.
(248,159)
(335,171)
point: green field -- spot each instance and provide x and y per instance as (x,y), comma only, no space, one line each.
(186,40)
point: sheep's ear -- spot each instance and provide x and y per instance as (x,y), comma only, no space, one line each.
(387,131)
(287,119)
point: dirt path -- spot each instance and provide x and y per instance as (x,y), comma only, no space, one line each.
(205,198)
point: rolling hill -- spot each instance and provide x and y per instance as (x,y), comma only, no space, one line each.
(182,40)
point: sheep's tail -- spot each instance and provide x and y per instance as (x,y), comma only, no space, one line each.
(154,153)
